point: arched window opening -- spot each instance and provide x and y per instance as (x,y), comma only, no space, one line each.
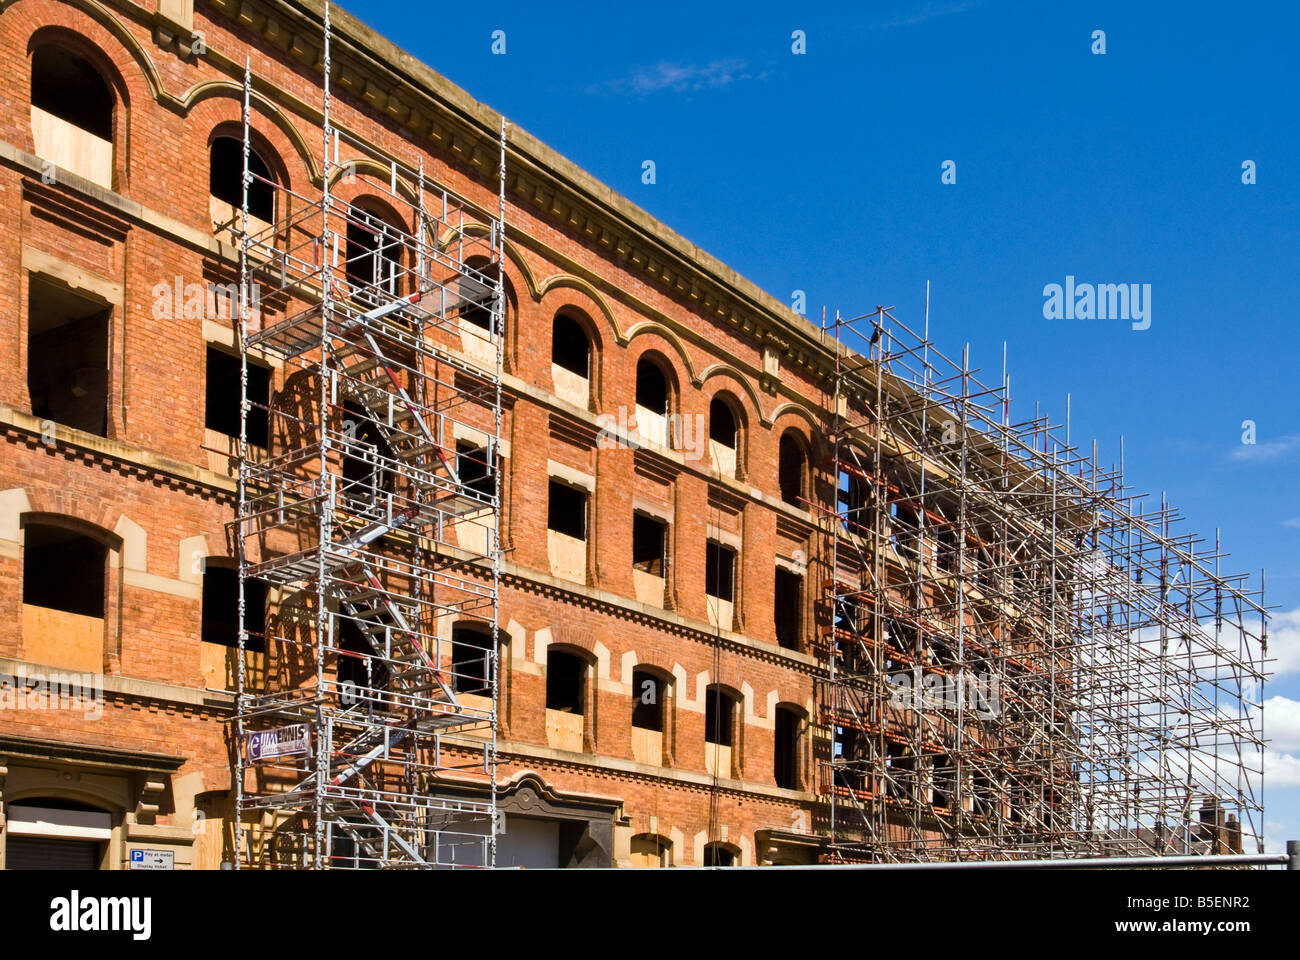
(65,85)
(651,386)
(471,659)
(570,348)
(366,478)
(64,570)
(724,437)
(787,608)
(566,700)
(374,257)
(571,361)
(652,402)
(722,423)
(785,767)
(478,293)
(791,468)
(647,702)
(853,496)
(225,176)
(719,855)
(720,719)
(72,114)
(65,597)
(649,719)
(651,850)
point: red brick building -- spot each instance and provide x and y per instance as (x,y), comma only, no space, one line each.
(685,567)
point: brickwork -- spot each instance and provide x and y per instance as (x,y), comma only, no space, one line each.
(148,489)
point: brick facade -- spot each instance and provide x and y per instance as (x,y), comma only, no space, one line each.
(158,497)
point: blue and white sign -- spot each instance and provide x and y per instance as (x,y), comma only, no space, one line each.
(153,860)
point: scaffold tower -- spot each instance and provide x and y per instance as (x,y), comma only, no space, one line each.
(369,514)
(1022,658)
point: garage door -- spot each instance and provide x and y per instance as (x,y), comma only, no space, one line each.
(38,853)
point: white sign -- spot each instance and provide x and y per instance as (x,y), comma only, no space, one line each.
(153,860)
(289,741)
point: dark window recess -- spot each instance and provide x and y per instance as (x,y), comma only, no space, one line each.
(477,293)
(647,702)
(648,535)
(64,570)
(373,251)
(364,476)
(945,782)
(567,510)
(902,765)
(791,469)
(850,747)
(472,468)
(984,797)
(651,386)
(787,606)
(569,346)
(226,170)
(716,855)
(67,86)
(565,679)
(221,397)
(907,531)
(67,357)
(722,423)
(719,715)
(356,846)
(947,549)
(471,649)
(853,499)
(786,761)
(358,664)
(942,651)
(720,571)
(221,608)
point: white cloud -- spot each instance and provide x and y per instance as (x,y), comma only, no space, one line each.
(1282,723)
(1284,642)
(1259,452)
(1276,834)
(929,11)
(680,77)
(1281,769)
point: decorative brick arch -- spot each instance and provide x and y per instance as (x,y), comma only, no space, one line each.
(213,101)
(92,32)
(91,511)
(661,334)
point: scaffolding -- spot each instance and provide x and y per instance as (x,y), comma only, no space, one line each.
(1022,658)
(368,516)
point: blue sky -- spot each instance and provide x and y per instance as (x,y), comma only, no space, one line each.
(821,172)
